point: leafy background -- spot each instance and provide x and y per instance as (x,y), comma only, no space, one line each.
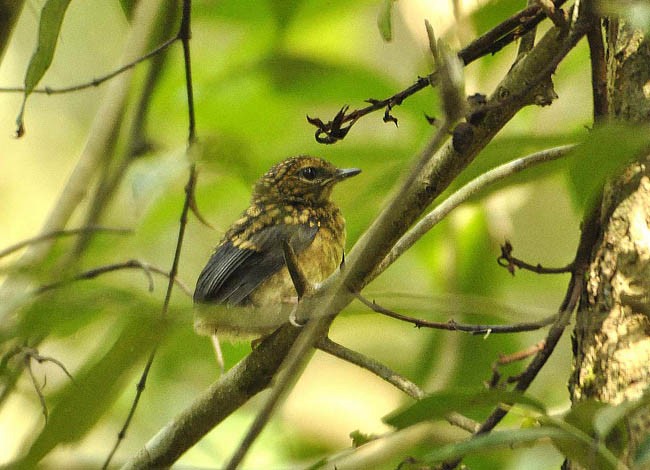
(259,68)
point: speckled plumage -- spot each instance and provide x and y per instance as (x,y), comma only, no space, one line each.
(290,202)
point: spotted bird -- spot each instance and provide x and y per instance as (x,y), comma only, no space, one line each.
(290,203)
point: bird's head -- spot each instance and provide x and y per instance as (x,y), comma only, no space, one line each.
(302,180)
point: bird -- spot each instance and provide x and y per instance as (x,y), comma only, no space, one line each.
(245,289)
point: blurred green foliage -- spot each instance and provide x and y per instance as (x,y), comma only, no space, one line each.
(259,67)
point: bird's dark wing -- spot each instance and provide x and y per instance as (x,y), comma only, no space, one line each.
(232,273)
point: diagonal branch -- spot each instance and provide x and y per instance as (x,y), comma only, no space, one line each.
(380,370)
(463,195)
(433,171)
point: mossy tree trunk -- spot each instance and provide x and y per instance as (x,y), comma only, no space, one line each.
(612,334)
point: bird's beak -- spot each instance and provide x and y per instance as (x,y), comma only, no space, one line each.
(345,173)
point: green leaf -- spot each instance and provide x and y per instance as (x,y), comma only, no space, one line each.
(127,7)
(584,446)
(63,311)
(438,405)
(488,442)
(48,33)
(601,156)
(81,404)
(384,20)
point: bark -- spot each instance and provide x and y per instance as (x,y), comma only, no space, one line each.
(612,335)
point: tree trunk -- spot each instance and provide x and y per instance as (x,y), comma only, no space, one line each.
(612,335)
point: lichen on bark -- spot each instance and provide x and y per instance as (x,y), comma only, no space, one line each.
(611,340)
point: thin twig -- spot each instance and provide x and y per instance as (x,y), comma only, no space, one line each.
(489,43)
(184,36)
(96,81)
(34,354)
(37,387)
(380,370)
(30,354)
(590,232)
(452,325)
(463,195)
(59,234)
(598,69)
(509,262)
(131,264)
(509,359)
(527,41)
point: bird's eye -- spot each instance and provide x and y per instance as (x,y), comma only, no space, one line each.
(308,173)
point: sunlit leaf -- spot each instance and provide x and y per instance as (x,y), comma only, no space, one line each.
(438,405)
(584,446)
(52,16)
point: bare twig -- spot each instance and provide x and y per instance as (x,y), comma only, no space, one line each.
(131,264)
(598,69)
(37,387)
(30,354)
(489,43)
(464,194)
(509,359)
(184,35)
(509,262)
(380,370)
(590,231)
(59,234)
(527,40)
(33,353)
(451,325)
(316,329)
(95,81)
(556,15)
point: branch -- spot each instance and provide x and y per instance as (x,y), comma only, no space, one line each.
(451,325)
(131,264)
(590,232)
(380,370)
(509,262)
(489,43)
(95,82)
(60,234)
(430,175)
(463,195)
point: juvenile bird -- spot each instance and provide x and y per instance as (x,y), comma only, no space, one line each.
(247,274)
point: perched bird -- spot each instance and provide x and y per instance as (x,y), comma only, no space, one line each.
(246,288)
